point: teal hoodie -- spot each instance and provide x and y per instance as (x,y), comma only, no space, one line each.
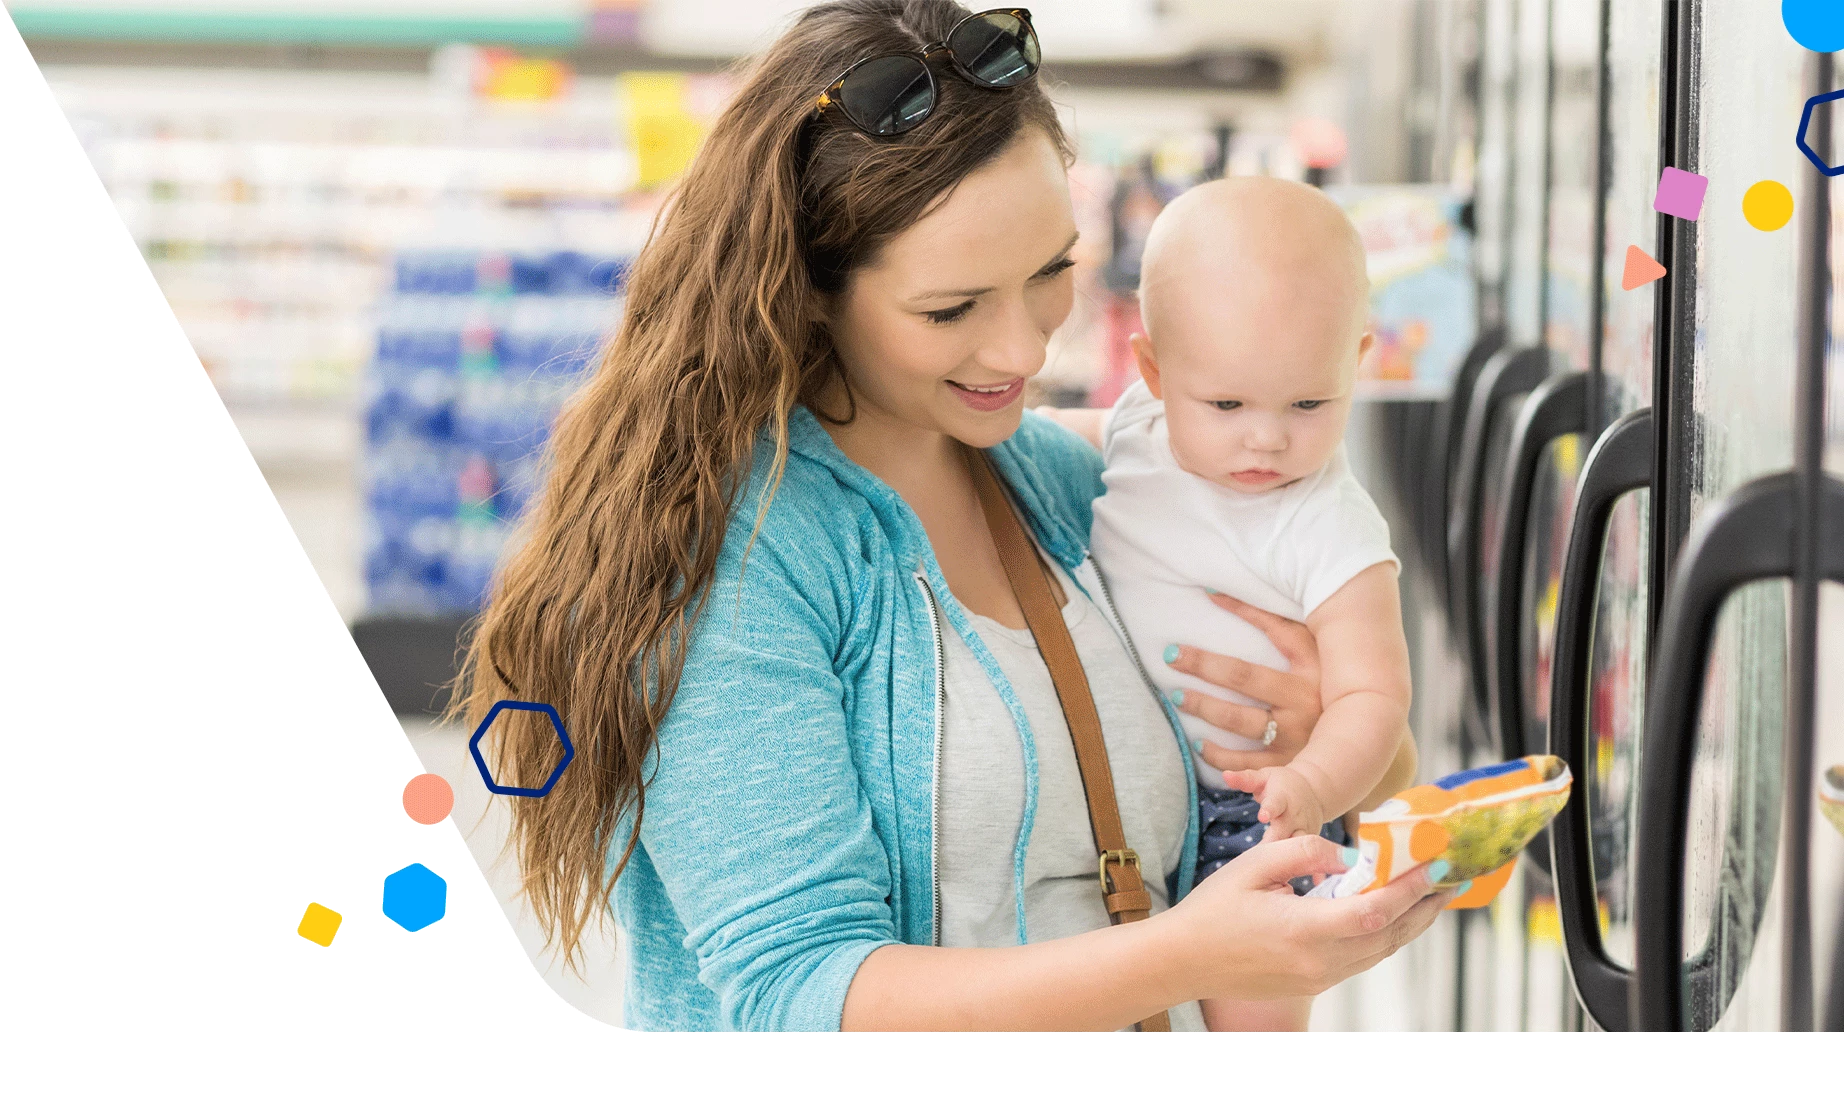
(789,825)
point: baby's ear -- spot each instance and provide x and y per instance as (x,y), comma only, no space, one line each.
(1143,355)
(1365,342)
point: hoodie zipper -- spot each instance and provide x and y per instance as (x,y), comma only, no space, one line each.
(1120,629)
(934,791)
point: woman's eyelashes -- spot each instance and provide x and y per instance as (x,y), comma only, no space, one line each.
(950,315)
(956,312)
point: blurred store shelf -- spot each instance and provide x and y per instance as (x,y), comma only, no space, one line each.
(1181,44)
(292,440)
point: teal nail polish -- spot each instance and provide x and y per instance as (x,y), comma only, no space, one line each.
(1212,591)
(1464,888)
(1171,653)
(1349,856)
(1176,696)
(1196,744)
(1438,871)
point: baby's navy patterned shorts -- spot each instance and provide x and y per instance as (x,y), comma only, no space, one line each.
(1227,827)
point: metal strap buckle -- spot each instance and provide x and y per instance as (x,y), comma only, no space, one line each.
(1119,857)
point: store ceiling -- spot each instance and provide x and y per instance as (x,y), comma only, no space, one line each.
(1073,30)
(1220,45)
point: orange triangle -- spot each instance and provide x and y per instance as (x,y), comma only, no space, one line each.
(1640,269)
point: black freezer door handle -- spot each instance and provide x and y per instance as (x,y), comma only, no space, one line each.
(1620,463)
(1555,409)
(1505,376)
(1745,537)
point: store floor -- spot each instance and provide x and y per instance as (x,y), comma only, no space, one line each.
(485,822)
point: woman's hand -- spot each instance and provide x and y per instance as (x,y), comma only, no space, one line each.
(1292,696)
(1256,940)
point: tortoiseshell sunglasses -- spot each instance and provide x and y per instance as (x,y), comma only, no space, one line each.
(892,93)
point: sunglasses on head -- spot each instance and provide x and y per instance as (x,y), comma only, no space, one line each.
(891,93)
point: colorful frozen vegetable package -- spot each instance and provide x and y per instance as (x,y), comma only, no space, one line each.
(1477,821)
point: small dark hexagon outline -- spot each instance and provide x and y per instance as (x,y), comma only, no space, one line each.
(480,762)
(1805,120)
(420,881)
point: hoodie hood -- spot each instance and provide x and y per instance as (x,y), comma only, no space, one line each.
(1063,531)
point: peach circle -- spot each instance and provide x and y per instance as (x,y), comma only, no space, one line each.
(428,798)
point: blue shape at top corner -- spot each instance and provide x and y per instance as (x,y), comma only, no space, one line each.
(1817,25)
(480,762)
(1805,121)
(414,897)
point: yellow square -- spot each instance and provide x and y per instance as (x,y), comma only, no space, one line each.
(319,924)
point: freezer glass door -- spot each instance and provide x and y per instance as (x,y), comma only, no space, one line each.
(1731,421)
(1567,316)
(1617,660)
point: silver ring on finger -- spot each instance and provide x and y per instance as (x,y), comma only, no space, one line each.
(1269,733)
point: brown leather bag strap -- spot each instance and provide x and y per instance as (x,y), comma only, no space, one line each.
(1117,865)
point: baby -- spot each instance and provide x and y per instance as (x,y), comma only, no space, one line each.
(1226,473)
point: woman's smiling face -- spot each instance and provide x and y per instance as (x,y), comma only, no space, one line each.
(941,329)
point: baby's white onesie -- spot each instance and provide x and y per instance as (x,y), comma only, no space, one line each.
(1162,535)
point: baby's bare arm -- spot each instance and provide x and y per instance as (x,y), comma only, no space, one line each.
(1364,684)
(1401,775)
(1085,423)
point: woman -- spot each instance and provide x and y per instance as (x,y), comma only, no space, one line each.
(820,766)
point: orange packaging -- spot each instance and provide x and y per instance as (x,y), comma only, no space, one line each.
(1477,821)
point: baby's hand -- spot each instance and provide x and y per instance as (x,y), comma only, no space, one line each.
(1289,805)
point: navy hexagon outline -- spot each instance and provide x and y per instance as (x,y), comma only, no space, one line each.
(1805,120)
(480,762)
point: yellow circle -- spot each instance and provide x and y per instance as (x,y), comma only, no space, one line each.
(1767,205)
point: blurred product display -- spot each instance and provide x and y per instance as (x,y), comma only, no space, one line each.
(475,355)
(1424,308)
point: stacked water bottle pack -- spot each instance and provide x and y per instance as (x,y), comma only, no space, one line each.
(476,354)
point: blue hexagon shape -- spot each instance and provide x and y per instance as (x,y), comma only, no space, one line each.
(480,762)
(414,897)
(1805,121)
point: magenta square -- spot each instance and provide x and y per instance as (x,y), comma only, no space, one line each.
(1680,193)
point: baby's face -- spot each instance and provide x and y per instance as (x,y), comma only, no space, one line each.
(1256,395)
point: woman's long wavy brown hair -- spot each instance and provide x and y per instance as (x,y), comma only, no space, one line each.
(722,336)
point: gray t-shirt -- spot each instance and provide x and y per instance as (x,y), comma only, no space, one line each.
(982,786)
